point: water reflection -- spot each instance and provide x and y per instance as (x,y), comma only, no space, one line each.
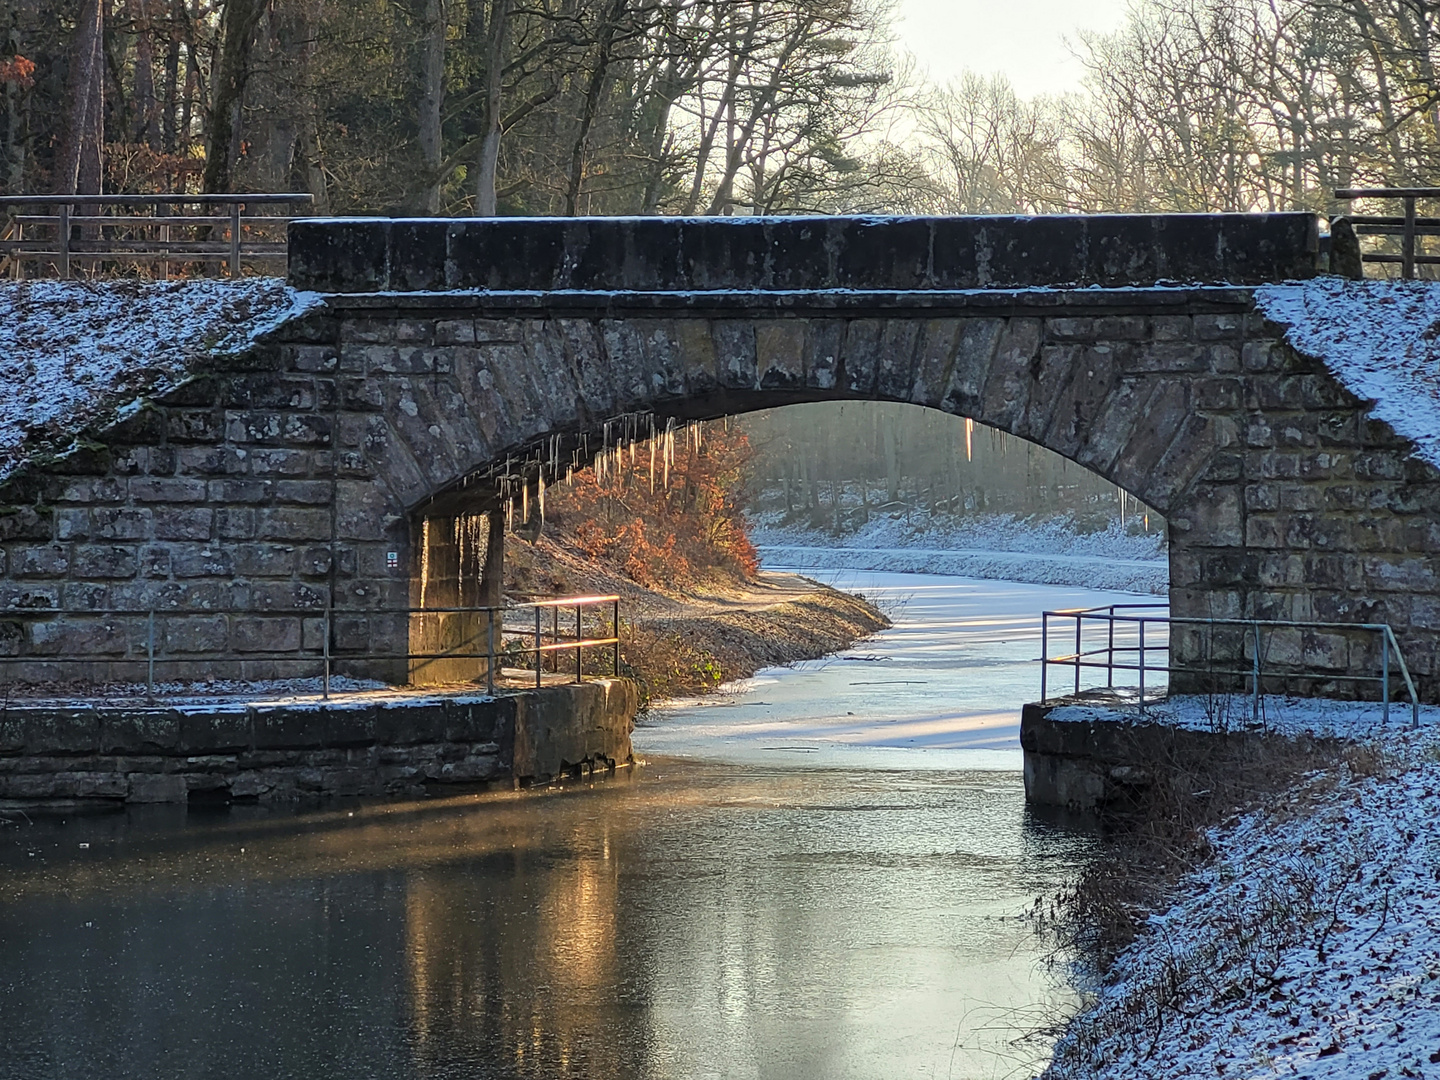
(698,920)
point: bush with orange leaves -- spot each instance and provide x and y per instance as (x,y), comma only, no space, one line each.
(667,513)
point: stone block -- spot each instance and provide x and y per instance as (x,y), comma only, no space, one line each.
(1218,327)
(162,489)
(288,523)
(272,634)
(406,723)
(192,561)
(50,561)
(63,730)
(193,426)
(235,524)
(349,726)
(138,730)
(120,523)
(279,727)
(183,523)
(305,492)
(195,634)
(146,788)
(103,561)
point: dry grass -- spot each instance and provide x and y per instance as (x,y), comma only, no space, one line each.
(1149,845)
(678,644)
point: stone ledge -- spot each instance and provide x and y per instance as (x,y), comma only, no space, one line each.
(681,254)
(1049,302)
(289,750)
(1094,764)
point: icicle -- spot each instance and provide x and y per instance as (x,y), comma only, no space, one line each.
(525,505)
(540,494)
(510,514)
(460,560)
(652,459)
(424,558)
(969,439)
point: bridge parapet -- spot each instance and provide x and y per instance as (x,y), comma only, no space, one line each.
(800,253)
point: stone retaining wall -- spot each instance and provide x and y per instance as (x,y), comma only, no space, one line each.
(348,746)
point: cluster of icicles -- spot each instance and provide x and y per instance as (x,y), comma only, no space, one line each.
(472,539)
(624,439)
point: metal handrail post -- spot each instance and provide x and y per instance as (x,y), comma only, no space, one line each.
(1255,676)
(539,653)
(1385,638)
(235,208)
(1407,242)
(1079,624)
(490,653)
(325,690)
(150,658)
(64,239)
(1044,651)
(1110,652)
(579,650)
(1141,664)
(615,647)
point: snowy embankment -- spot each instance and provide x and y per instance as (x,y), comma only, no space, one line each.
(74,354)
(1309,944)
(1381,339)
(1285,716)
(992,546)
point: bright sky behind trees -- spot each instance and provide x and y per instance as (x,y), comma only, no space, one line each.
(1023,39)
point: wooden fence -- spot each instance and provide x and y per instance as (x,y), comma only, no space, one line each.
(1407,226)
(119,234)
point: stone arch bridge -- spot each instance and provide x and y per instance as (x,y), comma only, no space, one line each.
(453,362)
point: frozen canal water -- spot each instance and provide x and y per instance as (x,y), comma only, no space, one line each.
(734,912)
(941,689)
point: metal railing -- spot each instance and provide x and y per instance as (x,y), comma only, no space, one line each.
(115,231)
(1131,653)
(137,650)
(1407,226)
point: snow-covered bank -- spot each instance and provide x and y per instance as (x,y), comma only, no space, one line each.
(1309,944)
(73,353)
(993,547)
(1379,338)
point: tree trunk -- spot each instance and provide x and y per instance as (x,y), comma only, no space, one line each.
(86,84)
(232,71)
(432,102)
(147,130)
(170,115)
(499,32)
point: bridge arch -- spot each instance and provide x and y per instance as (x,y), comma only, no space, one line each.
(449,360)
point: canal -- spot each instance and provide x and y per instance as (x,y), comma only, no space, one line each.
(821,874)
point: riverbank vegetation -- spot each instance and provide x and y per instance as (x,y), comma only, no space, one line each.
(1267,911)
(661,524)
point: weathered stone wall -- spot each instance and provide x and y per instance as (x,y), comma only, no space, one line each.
(286,480)
(274,752)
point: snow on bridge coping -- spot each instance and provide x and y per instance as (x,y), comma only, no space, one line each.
(1379,338)
(73,354)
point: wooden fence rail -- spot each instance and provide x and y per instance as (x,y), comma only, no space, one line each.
(118,230)
(1407,226)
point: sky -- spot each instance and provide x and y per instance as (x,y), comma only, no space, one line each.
(1023,39)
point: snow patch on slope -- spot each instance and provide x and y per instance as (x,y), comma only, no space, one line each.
(1050,551)
(73,353)
(1309,945)
(1381,339)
